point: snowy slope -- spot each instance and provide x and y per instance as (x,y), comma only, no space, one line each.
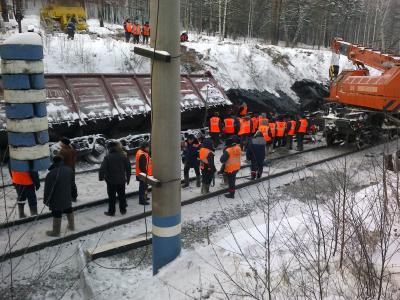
(235,64)
(263,67)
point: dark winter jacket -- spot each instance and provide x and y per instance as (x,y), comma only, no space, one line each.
(69,155)
(71,26)
(115,168)
(256,149)
(190,156)
(58,187)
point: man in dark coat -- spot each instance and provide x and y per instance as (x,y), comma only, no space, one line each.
(71,27)
(256,154)
(57,194)
(116,171)
(190,159)
(69,155)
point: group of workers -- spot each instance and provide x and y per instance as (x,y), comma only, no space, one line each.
(247,134)
(134,31)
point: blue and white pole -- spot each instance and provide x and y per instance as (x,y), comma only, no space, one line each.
(165,139)
(25,98)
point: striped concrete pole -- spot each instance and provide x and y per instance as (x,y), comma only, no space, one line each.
(25,97)
(165,139)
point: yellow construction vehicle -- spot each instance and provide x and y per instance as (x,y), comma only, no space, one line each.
(57,17)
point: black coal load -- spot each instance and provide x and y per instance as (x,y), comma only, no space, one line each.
(311,94)
(263,101)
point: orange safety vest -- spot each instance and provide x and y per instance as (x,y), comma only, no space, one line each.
(149,164)
(129,27)
(254,121)
(136,29)
(21,178)
(233,163)
(292,130)
(214,125)
(229,126)
(272,127)
(146,30)
(245,126)
(303,126)
(280,129)
(203,155)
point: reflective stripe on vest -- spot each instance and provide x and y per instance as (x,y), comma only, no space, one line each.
(229,125)
(292,130)
(245,126)
(280,129)
(149,164)
(254,121)
(233,163)
(146,30)
(303,126)
(203,155)
(272,127)
(214,125)
(21,178)
(136,29)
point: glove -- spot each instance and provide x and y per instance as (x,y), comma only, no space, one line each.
(37,187)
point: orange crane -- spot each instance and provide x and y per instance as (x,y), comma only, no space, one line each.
(358,88)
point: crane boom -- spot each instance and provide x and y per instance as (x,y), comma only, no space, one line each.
(358,88)
(362,56)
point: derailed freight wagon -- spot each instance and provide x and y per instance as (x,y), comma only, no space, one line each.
(117,105)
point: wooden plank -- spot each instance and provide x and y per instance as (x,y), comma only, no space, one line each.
(117,247)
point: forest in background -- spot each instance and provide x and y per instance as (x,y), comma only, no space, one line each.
(372,23)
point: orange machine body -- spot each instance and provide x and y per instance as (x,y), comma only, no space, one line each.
(358,88)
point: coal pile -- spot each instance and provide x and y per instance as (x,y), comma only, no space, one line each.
(311,94)
(263,101)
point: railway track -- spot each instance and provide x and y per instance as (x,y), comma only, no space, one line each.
(84,212)
(100,202)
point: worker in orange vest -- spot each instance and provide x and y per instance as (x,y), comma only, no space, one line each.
(272,129)
(291,131)
(26,183)
(262,119)
(301,131)
(280,132)
(266,131)
(231,127)
(146,33)
(128,26)
(136,32)
(244,131)
(231,161)
(207,165)
(254,124)
(143,165)
(215,128)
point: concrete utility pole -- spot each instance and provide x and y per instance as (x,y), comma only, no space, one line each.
(165,139)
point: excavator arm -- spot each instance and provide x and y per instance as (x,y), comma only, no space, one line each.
(358,88)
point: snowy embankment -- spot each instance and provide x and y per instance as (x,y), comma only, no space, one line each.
(235,64)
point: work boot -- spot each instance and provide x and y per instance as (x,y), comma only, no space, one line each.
(230,195)
(198,181)
(56,228)
(71,221)
(21,212)
(185,181)
(33,210)
(206,188)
